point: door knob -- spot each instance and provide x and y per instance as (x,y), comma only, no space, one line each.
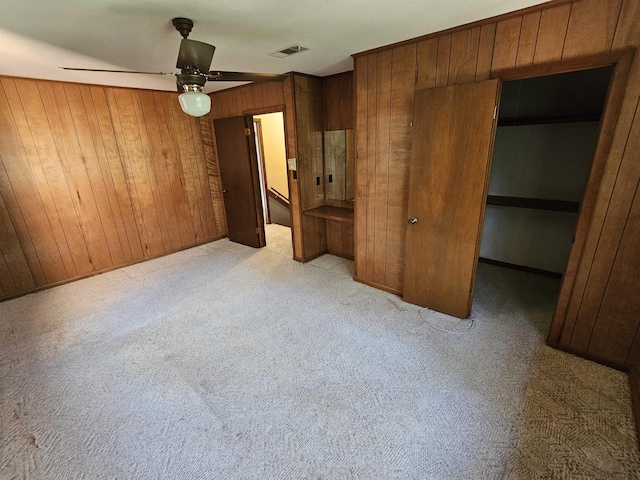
(413,220)
(224,191)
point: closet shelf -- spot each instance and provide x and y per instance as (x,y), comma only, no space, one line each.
(536,203)
(514,122)
(338,214)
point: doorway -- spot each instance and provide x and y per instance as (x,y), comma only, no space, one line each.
(253,171)
(269,136)
(546,136)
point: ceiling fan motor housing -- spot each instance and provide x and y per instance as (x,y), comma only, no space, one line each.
(183,25)
(191,79)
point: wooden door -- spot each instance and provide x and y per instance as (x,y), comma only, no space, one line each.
(453,134)
(240,183)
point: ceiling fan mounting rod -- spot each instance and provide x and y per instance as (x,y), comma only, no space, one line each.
(183,25)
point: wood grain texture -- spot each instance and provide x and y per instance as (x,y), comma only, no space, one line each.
(552,33)
(402,111)
(505,50)
(464,56)
(485,52)
(450,164)
(528,38)
(591,28)
(337,98)
(309,138)
(618,319)
(361,73)
(427,60)
(95,178)
(443,61)
(256,99)
(564,32)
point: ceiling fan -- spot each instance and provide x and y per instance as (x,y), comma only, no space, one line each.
(194,61)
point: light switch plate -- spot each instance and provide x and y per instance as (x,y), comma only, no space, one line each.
(291,162)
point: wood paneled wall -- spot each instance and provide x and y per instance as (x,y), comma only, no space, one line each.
(385,83)
(308,113)
(338,99)
(93,178)
(299,96)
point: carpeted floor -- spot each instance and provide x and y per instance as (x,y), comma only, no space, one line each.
(226,362)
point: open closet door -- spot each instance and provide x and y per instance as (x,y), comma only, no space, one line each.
(453,132)
(240,184)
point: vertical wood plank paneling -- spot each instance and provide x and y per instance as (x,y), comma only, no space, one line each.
(136,173)
(204,194)
(122,196)
(337,101)
(591,28)
(609,239)
(552,33)
(427,59)
(91,178)
(528,38)
(213,173)
(253,98)
(149,166)
(176,172)
(402,81)
(158,155)
(308,106)
(15,274)
(346,101)
(295,205)
(505,49)
(618,319)
(485,51)
(360,208)
(22,233)
(48,175)
(84,117)
(372,109)
(381,199)
(74,164)
(444,59)
(628,27)
(24,201)
(464,55)
(579,317)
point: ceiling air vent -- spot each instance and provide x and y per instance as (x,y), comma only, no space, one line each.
(285,52)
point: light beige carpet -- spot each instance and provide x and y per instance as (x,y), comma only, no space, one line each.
(226,362)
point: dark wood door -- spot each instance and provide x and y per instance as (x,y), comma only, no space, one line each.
(240,183)
(453,134)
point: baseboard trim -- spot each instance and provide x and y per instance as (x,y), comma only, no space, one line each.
(378,286)
(340,254)
(105,270)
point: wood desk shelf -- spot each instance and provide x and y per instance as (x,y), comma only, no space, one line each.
(338,214)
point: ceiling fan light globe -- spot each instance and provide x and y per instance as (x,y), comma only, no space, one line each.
(195,104)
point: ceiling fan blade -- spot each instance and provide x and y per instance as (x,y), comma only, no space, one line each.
(195,54)
(115,71)
(220,76)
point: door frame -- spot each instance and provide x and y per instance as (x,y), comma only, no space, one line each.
(621,60)
(262,169)
(282,109)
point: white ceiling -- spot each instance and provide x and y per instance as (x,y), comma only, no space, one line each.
(38,36)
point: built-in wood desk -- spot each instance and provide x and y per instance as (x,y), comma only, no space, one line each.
(338,214)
